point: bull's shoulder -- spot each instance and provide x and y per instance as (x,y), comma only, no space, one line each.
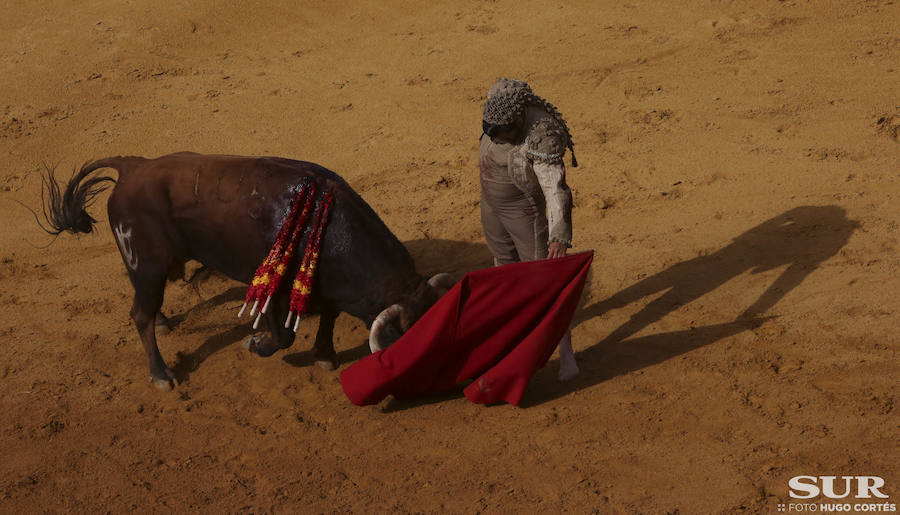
(294,168)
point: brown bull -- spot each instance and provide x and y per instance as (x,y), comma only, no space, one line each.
(225,211)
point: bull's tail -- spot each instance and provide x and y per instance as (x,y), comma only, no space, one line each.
(66,210)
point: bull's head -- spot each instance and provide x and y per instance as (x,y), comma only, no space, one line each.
(391,323)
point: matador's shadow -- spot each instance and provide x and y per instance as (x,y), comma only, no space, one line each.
(801,238)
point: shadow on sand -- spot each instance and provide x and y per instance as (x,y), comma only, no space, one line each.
(457,258)
(800,239)
(186,363)
(430,255)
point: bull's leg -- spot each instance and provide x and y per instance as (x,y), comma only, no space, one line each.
(175,272)
(279,337)
(162,324)
(324,354)
(148,297)
(147,253)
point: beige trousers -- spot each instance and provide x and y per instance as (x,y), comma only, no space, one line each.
(516,229)
(515,226)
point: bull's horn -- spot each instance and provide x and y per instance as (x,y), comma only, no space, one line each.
(441,282)
(376,338)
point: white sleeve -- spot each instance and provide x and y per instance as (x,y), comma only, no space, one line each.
(552,178)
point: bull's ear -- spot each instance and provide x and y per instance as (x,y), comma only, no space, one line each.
(441,283)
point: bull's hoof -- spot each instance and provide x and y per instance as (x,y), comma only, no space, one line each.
(327,364)
(326,359)
(262,345)
(164,382)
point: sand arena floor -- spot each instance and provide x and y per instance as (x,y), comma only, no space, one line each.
(738,182)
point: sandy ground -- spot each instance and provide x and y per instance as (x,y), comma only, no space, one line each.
(738,182)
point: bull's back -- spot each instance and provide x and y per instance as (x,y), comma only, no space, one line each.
(219,210)
(225,211)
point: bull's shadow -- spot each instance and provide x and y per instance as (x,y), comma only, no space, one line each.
(456,258)
(431,256)
(185,363)
(801,239)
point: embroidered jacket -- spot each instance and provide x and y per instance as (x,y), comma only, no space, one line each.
(536,168)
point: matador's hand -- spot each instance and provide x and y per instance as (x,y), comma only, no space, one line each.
(556,250)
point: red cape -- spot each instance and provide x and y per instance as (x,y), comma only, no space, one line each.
(496,326)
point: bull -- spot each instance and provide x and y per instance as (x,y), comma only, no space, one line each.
(224,212)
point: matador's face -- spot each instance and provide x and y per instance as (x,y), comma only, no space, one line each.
(511,133)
